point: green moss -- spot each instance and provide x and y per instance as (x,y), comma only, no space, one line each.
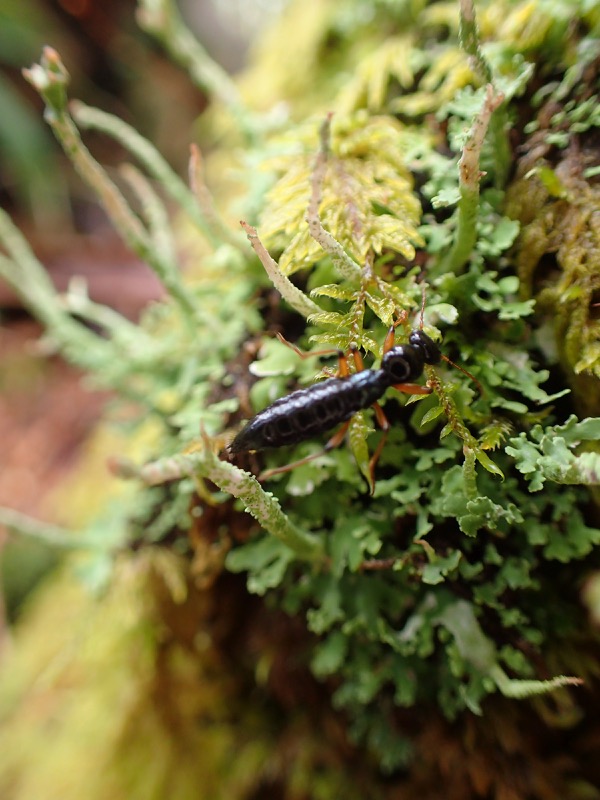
(457,577)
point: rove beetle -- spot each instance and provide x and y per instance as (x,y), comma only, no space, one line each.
(310,412)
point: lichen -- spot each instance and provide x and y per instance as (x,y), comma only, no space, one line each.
(448,584)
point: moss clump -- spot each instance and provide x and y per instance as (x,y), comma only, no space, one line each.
(449,588)
(555,196)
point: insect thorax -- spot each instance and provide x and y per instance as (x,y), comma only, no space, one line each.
(402,364)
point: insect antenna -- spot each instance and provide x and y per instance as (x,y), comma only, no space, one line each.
(445,358)
(467,373)
(422,314)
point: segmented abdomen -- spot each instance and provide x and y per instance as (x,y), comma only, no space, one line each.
(310,412)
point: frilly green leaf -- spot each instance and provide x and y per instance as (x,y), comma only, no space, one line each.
(266,561)
(548,455)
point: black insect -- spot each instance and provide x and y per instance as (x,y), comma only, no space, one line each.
(308,413)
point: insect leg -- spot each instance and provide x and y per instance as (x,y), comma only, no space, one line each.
(390,336)
(331,351)
(357,358)
(385,427)
(412,388)
(343,369)
(407,388)
(388,342)
(335,441)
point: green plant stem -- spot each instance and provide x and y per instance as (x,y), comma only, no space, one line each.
(469,180)
(459,618)
(451,412)
(468,35)
(470,474)
(44,532)
(212,227)
(520,689)
(76,342)
(290,293)
(128,225)
(469,39)
(153,212)
(263,506)
(140,347)
(471,448)
(345,265)
(206,202)
(160,19)
(30,281)
(50,79)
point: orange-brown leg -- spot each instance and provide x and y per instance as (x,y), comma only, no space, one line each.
(390,338)
(338,436)
(413,388)
(330,351)
(357,358)
(335,441)
(385,427)
(382,420)
(343,369)
(407,388)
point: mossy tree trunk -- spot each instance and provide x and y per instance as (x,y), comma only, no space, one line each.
(413,628)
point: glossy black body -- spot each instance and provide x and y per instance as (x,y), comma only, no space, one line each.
(310,412)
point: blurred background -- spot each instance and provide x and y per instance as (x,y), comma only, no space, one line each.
(46,412)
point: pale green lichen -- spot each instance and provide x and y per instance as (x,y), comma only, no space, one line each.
(443,586)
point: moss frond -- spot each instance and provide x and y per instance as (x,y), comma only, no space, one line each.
(368,203)
(457,576)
